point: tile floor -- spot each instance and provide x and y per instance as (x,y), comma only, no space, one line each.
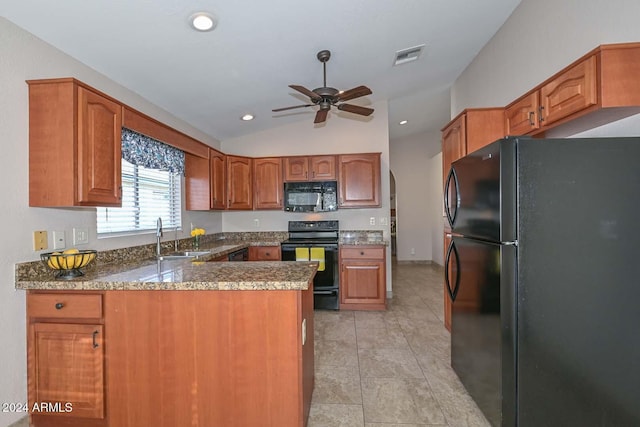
(390,369)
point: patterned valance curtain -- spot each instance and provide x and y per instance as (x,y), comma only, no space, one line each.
(141,150)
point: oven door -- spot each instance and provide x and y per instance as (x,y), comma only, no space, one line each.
(325,282)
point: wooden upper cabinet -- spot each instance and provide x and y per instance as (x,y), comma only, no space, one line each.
(75,138)
(323,168)
(310,168)
(267,183)
(217,174)
(204,181)
(571,91)
(469,131)
(521,117)
(359,180)
(454,145)
(239,183)
(598,88)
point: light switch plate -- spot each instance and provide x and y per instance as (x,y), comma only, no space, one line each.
(80,236)
(39,240)
(59,241)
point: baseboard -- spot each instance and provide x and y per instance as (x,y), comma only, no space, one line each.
(417,262)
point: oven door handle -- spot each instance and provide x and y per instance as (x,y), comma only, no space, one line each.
(325,292)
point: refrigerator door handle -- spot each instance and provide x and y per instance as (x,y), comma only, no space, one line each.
(447,203)
(452,292)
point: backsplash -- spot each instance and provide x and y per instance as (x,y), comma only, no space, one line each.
(25,270)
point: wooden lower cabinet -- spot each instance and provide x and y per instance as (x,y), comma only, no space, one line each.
(264,253)
(363,278)
(66,359)
(178,358)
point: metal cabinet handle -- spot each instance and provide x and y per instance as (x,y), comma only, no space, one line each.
(541,118)
(361,252)
(95,343)
(59,306)
(531,120)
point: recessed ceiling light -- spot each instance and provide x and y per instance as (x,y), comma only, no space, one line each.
(203,21)
(247,117)
(404,122)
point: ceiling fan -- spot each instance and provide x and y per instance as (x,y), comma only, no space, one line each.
(325,97)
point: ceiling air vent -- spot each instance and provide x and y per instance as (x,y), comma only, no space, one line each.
(408,55)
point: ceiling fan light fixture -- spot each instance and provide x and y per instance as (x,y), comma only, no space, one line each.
(203,21)
(247,117)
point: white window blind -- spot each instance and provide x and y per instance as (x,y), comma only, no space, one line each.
(147,194)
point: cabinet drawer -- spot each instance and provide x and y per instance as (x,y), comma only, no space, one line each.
(64,305)
(264,253)
(362,253)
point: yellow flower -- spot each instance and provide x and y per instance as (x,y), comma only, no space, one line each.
(197,232)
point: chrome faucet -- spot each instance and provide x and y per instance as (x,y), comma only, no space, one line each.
(175,242)
(158,236)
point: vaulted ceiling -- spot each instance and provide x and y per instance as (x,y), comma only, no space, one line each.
(210,79)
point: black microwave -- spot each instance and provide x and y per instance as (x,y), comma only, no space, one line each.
(320,196)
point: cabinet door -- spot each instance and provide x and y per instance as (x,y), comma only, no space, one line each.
(323,168)
(359,176)
(570,92)
(361,282)
(196,183)
(66,363)
(267,183)
(453,144)
(296,168)
(217,175)
(239,183)
(521,117)
(99,150)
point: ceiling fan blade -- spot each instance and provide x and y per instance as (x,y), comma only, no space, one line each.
(356,92)
(356,109)
(321,116)
(291,108)
(305,91)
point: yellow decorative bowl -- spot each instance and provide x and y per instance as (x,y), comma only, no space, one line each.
(68,264)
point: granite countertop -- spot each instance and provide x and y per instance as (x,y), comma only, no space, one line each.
(137,268)
(186,274)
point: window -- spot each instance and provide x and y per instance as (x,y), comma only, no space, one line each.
(146,195)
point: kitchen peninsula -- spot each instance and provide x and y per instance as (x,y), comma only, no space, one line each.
(173,343)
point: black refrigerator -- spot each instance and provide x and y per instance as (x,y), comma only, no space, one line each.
(543,272)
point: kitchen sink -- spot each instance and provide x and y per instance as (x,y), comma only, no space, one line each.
(183,254)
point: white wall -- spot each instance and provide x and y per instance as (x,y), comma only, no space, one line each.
(336,136)
(22,57)
(416,194)
(436,209)
(539,39)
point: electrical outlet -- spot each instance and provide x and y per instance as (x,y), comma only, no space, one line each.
(413,251)
(383,220)
(39,240)
(59,241)
(372,220)
(80,236)
(256,223)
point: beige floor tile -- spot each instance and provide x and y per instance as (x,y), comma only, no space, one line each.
(336,353)
(379,338)
(400,400)
(322,415)
(391,368)
(388,363)
(337,384)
